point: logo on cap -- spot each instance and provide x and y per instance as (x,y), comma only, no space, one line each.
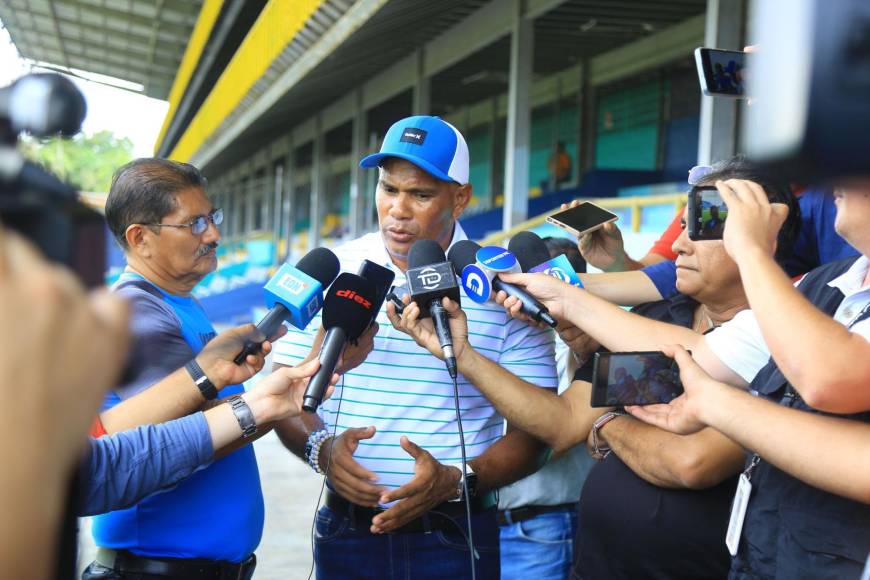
(476,283)
(413,135)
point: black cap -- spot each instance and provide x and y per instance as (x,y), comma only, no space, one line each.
(424,253)
(321,264)
(463,253)
(529,249)
(349,304)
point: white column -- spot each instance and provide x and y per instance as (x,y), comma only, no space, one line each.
(317,185)
(422,102)
(516,180)
(357,185)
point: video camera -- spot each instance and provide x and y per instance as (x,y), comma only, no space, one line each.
(34,202)
(47,211)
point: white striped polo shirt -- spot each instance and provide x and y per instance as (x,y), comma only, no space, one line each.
(402,389)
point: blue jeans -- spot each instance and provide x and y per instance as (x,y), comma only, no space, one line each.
(540,547)
(344,551)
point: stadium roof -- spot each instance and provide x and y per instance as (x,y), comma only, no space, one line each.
(140,41)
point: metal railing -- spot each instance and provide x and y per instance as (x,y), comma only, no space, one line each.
(636,204)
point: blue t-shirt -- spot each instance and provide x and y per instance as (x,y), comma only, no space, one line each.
(817,243)
(218,512)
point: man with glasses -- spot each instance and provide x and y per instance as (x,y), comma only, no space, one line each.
(209,525)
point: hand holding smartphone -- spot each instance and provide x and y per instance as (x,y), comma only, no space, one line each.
(634,378)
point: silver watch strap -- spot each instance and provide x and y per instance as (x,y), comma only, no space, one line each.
(244,415)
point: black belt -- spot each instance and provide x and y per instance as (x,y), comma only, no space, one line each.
(188,569)
(439,518)
(527,512)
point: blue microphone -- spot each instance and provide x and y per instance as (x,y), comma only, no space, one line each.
(295,294)
(534,257)
(479,268)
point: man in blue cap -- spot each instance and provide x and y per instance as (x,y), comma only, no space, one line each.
(388,439)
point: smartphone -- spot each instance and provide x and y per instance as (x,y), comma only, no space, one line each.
(382,279)
(634,378)
(707,214)
(395,295)
(721,72)
(582,219)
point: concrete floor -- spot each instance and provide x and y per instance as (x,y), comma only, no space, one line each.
(290,489)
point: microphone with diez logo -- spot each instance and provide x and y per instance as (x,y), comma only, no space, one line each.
(430,278)
(533,256)
(479,268)
(295,294)
(347,312)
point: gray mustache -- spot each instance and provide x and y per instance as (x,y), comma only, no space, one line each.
(203,250)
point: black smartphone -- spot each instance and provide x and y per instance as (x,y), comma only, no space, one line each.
(721,72)
(634,378)
(582,219)
(381,277)
(707,214)
(396,294)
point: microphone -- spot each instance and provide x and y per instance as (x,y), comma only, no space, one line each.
(430,278)
(479,269)
(294,294)
(347,312)
(534,257)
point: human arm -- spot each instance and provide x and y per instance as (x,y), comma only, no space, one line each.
(826,452)
(177,395)
(613,327)
(695,461)
(47,408)
(795,331)
(625,288)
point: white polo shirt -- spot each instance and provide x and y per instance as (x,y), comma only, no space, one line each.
(740,345)
(402,389)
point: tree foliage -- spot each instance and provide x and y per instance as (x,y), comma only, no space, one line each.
(85,161)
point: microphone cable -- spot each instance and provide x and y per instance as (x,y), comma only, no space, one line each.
(470,537)
(325,476)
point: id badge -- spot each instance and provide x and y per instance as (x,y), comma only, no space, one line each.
(738,513)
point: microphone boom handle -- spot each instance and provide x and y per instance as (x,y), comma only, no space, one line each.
(268,326)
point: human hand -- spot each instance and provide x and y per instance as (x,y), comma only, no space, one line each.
(580,343)
(279,395)
(423,331)
(604,248)
(356,352)
(433,483)
(44,308)
(550,291)
(684,415)
(216,358)
(753,223)
(351,480)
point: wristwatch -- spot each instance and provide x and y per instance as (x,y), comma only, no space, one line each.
(205,386)
(467,478)
(598,451)
(244,415)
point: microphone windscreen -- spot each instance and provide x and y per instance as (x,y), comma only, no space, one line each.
(529,249)
(349,304)
(463,253)
(424,253)
(321,264)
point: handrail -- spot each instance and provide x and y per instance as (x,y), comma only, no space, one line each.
(635,203)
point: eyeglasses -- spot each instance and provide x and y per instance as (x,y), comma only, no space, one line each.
(197,225)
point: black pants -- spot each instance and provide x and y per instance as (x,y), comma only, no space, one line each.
(97,571)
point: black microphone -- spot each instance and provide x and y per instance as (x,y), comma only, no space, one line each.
(465,253)
(294,295)
(347,312)
(530,250)
(430,278)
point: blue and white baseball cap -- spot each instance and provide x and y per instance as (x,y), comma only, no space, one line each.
(430,143)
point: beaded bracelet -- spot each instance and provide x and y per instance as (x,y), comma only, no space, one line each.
(316,439)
